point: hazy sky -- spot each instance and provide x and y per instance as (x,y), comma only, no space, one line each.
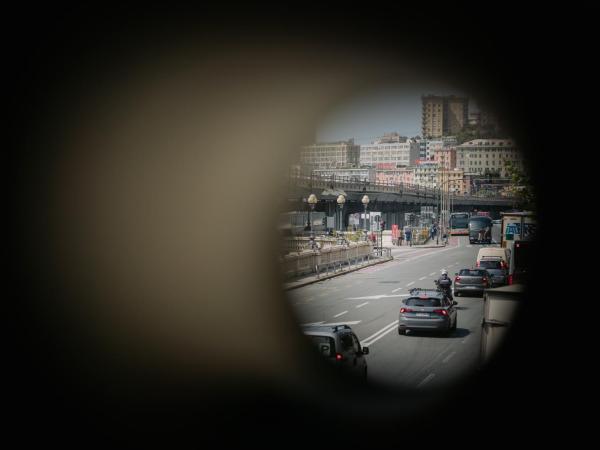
(369,115)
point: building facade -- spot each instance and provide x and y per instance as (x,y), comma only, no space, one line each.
(443,115)
(488,156)
(446,158)
(331,155)
(397,153)
(426,174)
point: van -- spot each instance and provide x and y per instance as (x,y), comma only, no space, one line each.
(494,253)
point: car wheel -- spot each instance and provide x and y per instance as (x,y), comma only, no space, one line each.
(457,294)
(401,331)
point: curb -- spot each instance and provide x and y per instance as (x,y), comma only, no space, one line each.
(302,284)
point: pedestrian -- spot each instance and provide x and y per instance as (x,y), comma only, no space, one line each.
(408,237)
(400,237)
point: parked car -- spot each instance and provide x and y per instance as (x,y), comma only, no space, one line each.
(496,268)
(339,345)
(471,281)
(427,310)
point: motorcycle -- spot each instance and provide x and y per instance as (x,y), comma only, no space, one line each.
(445,289)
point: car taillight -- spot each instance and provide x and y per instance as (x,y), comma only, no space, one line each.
(339,357)
(457,279)
(443,312)
(510,279)
(405,310)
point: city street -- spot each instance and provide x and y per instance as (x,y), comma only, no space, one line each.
(369,301)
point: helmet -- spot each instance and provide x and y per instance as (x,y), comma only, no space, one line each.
(444,272)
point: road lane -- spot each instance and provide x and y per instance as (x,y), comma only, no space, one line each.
(394,359)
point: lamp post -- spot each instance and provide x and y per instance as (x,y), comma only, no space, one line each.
(365,202)
(312,201)
(340,201)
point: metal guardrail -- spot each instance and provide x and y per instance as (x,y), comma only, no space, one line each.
(334,258)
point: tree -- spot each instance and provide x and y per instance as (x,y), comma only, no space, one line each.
(521,187)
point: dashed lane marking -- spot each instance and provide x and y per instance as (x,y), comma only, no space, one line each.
(340,314)
(447,358)
(411,283)
(379,334)
(362,304)
(427,379)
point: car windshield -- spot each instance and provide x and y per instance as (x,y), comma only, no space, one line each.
(495,264)
(425,302)
(324,344)
(472,273)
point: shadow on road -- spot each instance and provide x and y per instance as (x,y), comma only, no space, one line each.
(460,333)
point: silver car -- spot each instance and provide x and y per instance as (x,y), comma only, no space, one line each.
(427,310)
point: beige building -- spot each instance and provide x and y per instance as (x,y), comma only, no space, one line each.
(331,155)
(454,179)
(443,115)
(482,156)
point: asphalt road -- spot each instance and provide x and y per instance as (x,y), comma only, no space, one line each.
(369,301)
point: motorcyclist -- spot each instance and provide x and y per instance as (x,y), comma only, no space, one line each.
(445,283)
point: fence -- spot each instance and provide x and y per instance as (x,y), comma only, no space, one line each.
(329,258)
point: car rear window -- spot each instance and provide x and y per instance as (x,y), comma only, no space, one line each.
(324,344)
(425,302)
(472,273)
(490,264)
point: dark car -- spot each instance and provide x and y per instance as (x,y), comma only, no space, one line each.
(496,269)
(480,230)
(340,346)
(427,310)
(471,281)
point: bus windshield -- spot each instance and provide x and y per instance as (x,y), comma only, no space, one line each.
(459,220)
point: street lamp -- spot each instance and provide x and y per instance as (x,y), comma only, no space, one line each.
(312,201)
(340,201)
(365,202)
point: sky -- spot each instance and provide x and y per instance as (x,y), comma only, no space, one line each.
(370,114)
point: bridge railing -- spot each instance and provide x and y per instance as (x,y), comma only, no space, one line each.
(353,184)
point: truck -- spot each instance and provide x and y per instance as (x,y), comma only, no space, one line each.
(517,234)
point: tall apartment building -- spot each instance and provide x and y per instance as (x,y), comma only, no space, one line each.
(331,155)
(389,173)
(383,152)
(483,156)
(443,115)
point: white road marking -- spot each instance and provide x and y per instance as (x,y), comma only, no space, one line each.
(331,324)
(411,283)
(380,336)
(395,290)
(427,379)
(377,297)
(390,326)
(447,358)
(422,278)
(432,274)
(362,304)
(340,314)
